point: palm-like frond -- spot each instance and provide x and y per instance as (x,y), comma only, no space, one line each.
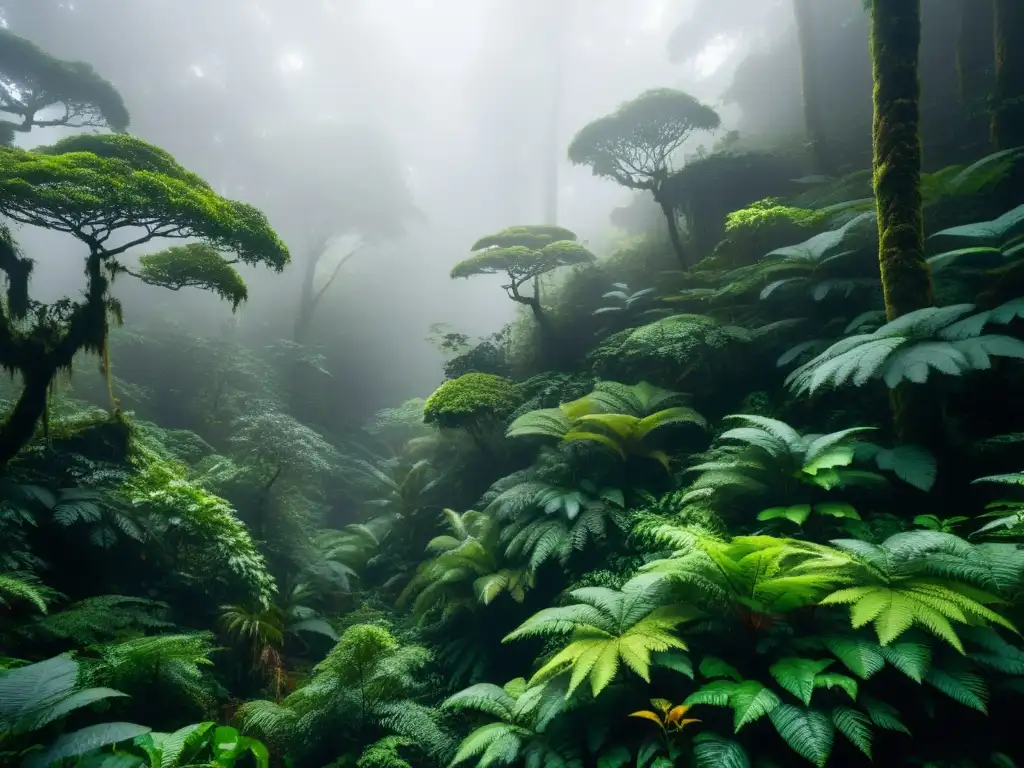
(767,460)
(607,627)
(468,568)
(618,416)
(169,664)
(927,579)
(758,574)
(26,587)
(944,339)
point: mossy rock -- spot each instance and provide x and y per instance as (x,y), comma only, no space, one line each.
(470,400)
(685,352)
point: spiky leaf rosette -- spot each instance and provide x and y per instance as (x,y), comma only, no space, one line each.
(633,144)
(90,186)
(31,81)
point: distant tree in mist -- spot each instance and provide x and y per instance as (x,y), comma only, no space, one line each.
(634,145)
(94,187)
(524,253)
(1008,99)
(32,82)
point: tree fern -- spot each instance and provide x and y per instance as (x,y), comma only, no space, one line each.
(100,619)
(755,575)
(620,417)
(547,521)
(522,713)
(468,568)
(946,339)
(22,586)
(161,665)
(927,579)
(606,627)
(774,462)
(363,682)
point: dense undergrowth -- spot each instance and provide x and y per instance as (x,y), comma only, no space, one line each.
(663,519)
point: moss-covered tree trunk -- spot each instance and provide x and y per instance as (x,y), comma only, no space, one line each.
(39,358)
(673,228)
(1008,99)
(906,277)
(817,139)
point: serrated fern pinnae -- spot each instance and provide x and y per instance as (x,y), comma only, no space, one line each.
(766,460)
(928,579)
(606,628)
(521,714)
(468,568)
(622,418)
(362,685)
(159,665)
(100,619)
(948,339)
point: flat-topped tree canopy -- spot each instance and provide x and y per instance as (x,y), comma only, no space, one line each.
(196,265)
(31,81)
(90,186)
(633,144)
(523,252)
(529,236)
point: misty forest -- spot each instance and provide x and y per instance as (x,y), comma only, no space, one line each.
(576,384)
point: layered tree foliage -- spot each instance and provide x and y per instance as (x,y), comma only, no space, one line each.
(91,187)
(523,254)
(689,538)
(634,145)
(35,88)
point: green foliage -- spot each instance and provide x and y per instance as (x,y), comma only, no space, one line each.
(160,665)
(633,145)
(617,416)
(467,568)
(523,253)
(100,619)
(36,695)
(95,183)
(207,744)
(673,349)
(206,525)
(197,265)
(363,684)
(769,461)
(471,401)
(606,627)
(522,714)
(946,339)
(34,81)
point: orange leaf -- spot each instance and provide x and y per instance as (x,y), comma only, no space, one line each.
(686,722)
(677,712)
(647,715)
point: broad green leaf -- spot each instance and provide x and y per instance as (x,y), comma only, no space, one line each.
(797,675)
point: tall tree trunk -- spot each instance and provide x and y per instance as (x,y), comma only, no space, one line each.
(1008,106)
(906,277)
(673,230)
(817,140)
(20,426)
